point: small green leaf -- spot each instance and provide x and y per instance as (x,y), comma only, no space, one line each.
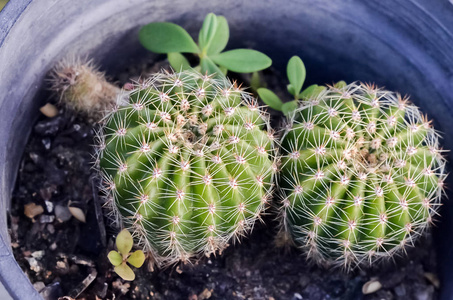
(296,74)
(290,89)
(270,98)
(220,38)
(242,60)
(124,242)
(210,67)
(137,258)
(115,258)
(207,31)
(178,61)
(311,91)
(289,107)
(163,37)
(307,93)
(340,84)
(125,272)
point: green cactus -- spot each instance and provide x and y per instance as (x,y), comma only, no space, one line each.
(187,164)
(361,174)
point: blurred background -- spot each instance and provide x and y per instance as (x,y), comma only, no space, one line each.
(2,3)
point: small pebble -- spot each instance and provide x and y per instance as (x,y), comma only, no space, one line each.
(34,264)
(206,294)
(51,292)
(400,290)
(38,254)
(62,213)
(371,286)
(62,265)
(46,218)
(47,143)
(31,210)
(49,206)
(77,212)
(34,157)
(49,110)
(433,279)
(51,228)
(53,247)
(122,287)
(193,297)
(426,294)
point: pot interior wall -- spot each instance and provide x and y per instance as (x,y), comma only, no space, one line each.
(402,45)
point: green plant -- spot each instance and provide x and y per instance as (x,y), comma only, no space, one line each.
(187,164)
(120,259)
(172,39)
(361,174)
(296,73)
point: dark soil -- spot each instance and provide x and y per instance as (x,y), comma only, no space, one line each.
(63,256)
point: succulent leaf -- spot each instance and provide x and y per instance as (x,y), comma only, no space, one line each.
(296,74)
(124,242)
(220,38)
(178,61)
(137,258)
(207,32)
(125,272)
(115,258)
(164,37)
(242,60)
(270,98)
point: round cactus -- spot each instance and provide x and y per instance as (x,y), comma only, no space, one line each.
(361,174)
(187,164)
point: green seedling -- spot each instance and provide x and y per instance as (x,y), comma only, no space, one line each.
(121,258)
(173,40)
(296,73)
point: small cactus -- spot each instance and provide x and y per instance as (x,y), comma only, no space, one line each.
(187,164)
(81,87)
(361,174)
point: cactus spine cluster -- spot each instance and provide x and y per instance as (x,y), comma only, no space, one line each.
(187,164)
(361,174)
(80,86)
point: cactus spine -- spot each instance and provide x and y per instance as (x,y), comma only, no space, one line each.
(361,176)
(187,164)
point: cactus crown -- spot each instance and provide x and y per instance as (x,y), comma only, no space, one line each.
(361,176)
(187,164)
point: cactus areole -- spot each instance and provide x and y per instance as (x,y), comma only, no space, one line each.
(361,176)
(187,164)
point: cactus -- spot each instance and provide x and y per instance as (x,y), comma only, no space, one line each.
(361,174)
(81,87)
(187,164)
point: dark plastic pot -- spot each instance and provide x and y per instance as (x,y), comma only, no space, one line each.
(405,45)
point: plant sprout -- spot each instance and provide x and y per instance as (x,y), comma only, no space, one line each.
(296,73)
(173,40)
(120,259)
